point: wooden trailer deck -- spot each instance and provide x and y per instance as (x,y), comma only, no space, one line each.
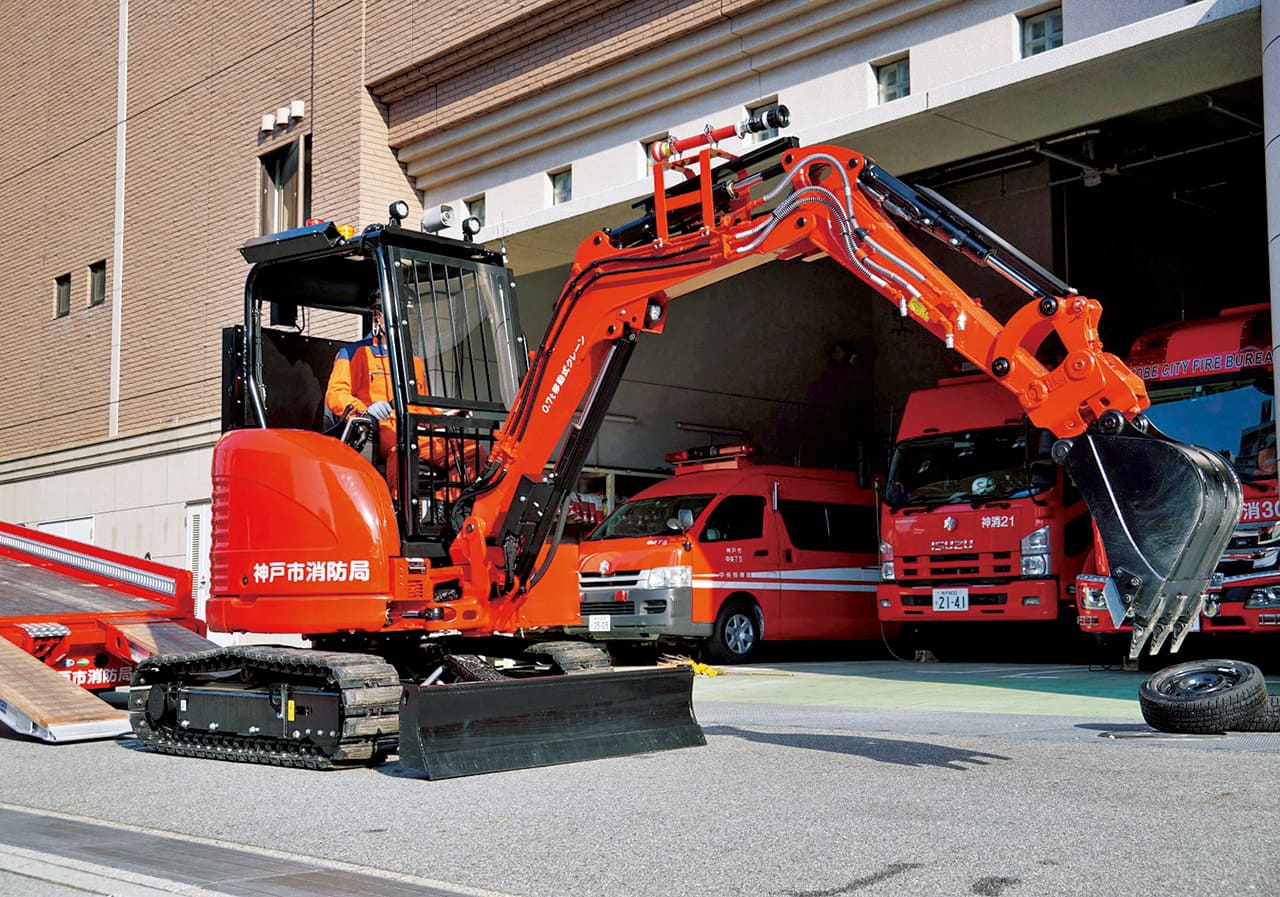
(74,617)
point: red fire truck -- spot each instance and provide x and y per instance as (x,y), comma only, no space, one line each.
(978,523)
(1212,378)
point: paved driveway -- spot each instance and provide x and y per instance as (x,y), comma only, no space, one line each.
(869,778)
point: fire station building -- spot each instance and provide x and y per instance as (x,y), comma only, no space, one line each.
(1124,146)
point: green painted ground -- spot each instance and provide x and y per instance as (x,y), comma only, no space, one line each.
(966,687)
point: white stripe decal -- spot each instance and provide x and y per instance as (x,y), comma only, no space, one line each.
(828,574)
(788,585)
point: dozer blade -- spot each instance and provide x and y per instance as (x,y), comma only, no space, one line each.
(1164,510)
(477,727)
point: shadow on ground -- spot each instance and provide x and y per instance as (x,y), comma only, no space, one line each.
(881,750)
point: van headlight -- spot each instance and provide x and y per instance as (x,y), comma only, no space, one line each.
(667,578)
(1035,553)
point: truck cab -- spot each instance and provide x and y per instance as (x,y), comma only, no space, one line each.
(1210,379)
(727,553)
(978,524)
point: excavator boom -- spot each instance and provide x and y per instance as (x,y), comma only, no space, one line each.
(804,203)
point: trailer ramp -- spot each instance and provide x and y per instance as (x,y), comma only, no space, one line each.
(35,700)
(75,619)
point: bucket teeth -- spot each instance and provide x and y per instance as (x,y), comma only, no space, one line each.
(1158,637)
(1168,537)
(1182,625)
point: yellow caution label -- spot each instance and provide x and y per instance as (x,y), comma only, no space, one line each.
(918,308)
(289,710)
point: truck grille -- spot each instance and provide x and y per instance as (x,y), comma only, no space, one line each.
(969,564)
(619,579)
(607,608)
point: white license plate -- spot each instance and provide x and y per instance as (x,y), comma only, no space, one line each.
(950,599)
(599,623)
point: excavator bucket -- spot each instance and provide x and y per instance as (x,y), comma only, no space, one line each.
(488,726)
(1164,511)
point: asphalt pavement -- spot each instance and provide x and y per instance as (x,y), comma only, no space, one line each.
(818,780)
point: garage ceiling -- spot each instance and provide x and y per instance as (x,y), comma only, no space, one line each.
(1183,80)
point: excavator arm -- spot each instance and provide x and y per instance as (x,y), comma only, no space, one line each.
(790,203)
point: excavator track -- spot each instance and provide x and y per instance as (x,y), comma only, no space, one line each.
(271,705)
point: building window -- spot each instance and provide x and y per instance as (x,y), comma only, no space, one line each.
(285,191)
(1041,32)
(561,185)
(475,208)
(769,133)
(62,296)
(97,283)
(893,79)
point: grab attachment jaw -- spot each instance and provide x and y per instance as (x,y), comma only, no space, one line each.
(1165,511)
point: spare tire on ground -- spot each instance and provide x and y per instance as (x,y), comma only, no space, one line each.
(1267,719)
(1203,697)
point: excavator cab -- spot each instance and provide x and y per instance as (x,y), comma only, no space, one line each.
(452,342)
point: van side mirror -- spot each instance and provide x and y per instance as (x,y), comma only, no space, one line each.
(682,523)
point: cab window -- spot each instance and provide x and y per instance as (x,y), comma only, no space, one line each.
(854,528)
(737,517)
(826,526)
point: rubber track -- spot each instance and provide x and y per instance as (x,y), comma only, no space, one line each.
(369,686)
(573,657)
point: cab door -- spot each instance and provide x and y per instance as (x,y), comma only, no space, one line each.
(740,546)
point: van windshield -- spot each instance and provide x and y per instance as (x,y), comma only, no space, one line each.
(647,517)
(975,466)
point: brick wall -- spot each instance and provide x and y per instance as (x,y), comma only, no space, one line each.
(200,78)
(56,189)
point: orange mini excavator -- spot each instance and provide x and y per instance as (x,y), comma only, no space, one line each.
(406,570)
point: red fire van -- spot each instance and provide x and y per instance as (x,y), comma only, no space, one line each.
(728,553)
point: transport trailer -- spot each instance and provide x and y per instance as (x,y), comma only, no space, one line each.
(75,619)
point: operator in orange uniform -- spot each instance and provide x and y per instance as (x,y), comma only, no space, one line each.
(361,381)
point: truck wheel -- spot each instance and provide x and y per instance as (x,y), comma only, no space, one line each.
(1203,697)
(737,633)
